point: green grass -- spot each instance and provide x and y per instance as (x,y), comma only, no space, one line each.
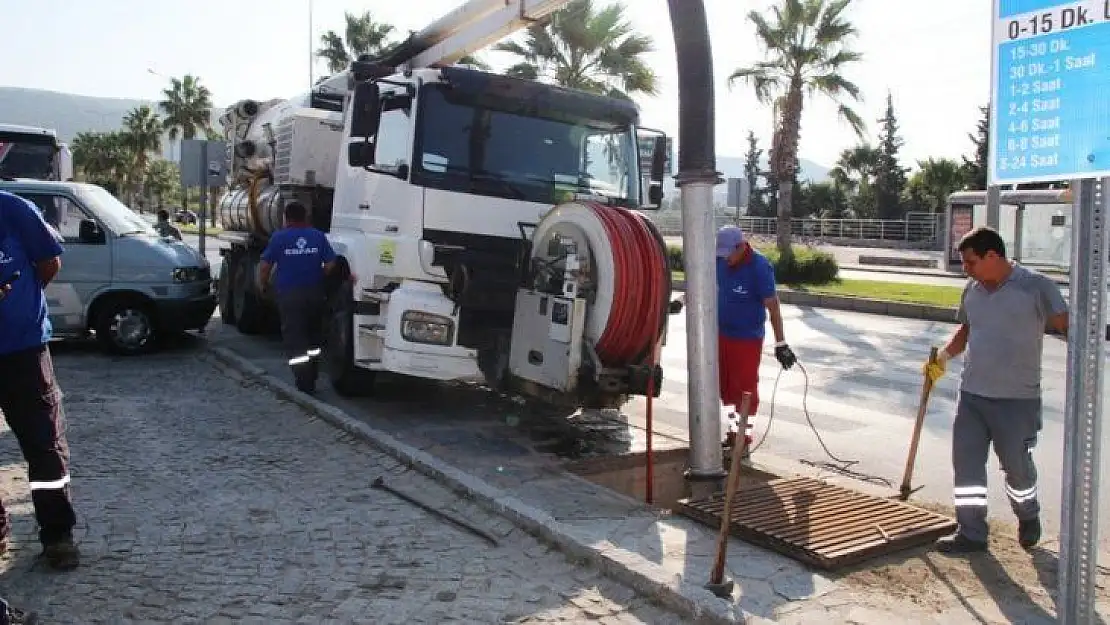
(195,229)
(929,294)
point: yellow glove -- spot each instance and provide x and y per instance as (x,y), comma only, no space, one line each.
(934,369)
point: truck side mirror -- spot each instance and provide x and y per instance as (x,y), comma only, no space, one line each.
(360,153)
(365,110)
(659,159)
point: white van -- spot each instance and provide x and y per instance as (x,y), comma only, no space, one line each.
(119,278)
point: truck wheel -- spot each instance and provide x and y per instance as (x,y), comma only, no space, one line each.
(245,302)
(224,291)
(125,326)
(339,349)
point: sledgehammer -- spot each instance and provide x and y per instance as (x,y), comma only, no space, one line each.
(905,491)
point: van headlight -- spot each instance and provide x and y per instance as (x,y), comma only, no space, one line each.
(421,327)
(189,274)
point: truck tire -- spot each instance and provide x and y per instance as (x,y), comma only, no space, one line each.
(248,307)
(346,378)
(126,326)
(224,291)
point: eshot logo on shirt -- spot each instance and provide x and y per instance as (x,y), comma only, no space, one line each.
(5,259)
(301,248)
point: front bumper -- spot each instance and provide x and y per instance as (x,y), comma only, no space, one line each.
(194,313)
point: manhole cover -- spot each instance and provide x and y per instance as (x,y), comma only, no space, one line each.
(823,525)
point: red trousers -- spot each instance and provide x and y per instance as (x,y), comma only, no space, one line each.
(739,371)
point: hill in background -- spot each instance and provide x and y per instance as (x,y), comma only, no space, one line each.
(70,114)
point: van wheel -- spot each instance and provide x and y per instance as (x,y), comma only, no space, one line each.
(126,327)
(224,291)
(339,349)
(245,302)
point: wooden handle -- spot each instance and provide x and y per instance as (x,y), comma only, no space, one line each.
(731,483)
(915,439)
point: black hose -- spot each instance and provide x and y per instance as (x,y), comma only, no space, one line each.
(697,152)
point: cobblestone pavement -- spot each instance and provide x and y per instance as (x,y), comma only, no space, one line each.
(204,499)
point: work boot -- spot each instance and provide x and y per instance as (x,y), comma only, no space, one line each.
(1029,533)
(62,555)
(958,543)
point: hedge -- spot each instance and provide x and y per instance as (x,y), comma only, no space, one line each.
(807,265)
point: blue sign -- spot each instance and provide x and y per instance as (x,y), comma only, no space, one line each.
(1050,92)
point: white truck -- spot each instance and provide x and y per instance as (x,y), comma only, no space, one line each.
(490,224)
(33,153)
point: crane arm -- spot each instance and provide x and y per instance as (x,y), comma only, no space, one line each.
(468,29)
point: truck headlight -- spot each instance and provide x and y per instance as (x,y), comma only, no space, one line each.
(421,327)
(189,274)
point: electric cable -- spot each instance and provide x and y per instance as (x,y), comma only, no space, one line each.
(843,466)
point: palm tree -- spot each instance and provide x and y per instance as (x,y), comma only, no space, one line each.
(805,50)
(103,159)
(584,48)
(937,179)
(362,36)
(142,134)
(188,110)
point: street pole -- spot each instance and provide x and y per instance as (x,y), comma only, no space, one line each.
(203,196)
(994,207)
(1083,412)
(311,74)
(697,175)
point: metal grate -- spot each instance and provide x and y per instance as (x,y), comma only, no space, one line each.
(823,525)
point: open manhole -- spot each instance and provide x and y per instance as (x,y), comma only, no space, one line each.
(823,525)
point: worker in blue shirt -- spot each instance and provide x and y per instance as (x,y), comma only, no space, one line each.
(302,256)
(30,257)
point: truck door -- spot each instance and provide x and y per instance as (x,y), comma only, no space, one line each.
(86,263)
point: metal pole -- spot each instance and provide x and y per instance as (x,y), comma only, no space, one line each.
(311,74)
(203,195)
(1083,413)
(994,207)
(1019,226)
(697,175)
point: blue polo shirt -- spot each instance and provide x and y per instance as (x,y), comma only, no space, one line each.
(298,255)
(24,240)
(740,293)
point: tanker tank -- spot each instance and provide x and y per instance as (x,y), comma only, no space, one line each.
(261,217)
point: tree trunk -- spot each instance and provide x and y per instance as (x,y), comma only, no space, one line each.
(783,230)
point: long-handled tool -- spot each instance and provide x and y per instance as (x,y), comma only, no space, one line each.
(380,484)
(905,490)
(717,584)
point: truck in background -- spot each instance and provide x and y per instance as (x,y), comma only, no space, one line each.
(33,153)
(490,224)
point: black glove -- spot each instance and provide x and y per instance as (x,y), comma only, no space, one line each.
(785,356)
(675,307)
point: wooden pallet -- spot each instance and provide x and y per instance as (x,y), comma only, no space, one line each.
(823,525)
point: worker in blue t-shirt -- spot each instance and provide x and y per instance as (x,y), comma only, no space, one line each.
(746,297)
(30,257)
(302,256)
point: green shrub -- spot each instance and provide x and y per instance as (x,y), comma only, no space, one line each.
(674,258)
(807,265)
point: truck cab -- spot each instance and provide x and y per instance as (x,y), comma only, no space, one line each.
(119,278)
(36,153)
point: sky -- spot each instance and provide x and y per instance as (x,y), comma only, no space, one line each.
(933,57)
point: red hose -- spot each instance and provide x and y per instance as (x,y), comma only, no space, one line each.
(640,283)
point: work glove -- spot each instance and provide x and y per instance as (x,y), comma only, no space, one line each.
(785,355)
(934,369)
(675,307)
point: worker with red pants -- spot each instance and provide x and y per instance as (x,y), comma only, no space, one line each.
(746,296)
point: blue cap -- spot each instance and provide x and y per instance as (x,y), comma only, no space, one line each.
(728,239)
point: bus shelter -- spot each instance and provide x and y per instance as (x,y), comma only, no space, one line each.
(1035,224)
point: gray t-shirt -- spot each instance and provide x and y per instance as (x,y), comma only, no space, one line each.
(1007,328)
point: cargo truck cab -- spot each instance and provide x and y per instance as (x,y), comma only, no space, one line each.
(119,278)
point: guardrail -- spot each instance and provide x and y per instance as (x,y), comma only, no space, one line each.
(923,228)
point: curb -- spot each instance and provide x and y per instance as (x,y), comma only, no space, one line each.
(628,568)
(904,310)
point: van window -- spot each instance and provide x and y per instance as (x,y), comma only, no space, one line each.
(60,212)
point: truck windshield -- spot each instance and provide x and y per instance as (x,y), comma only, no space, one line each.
(115,215)
(26,158)
(479,149)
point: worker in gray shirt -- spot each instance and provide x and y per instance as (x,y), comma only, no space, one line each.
(1004,313)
